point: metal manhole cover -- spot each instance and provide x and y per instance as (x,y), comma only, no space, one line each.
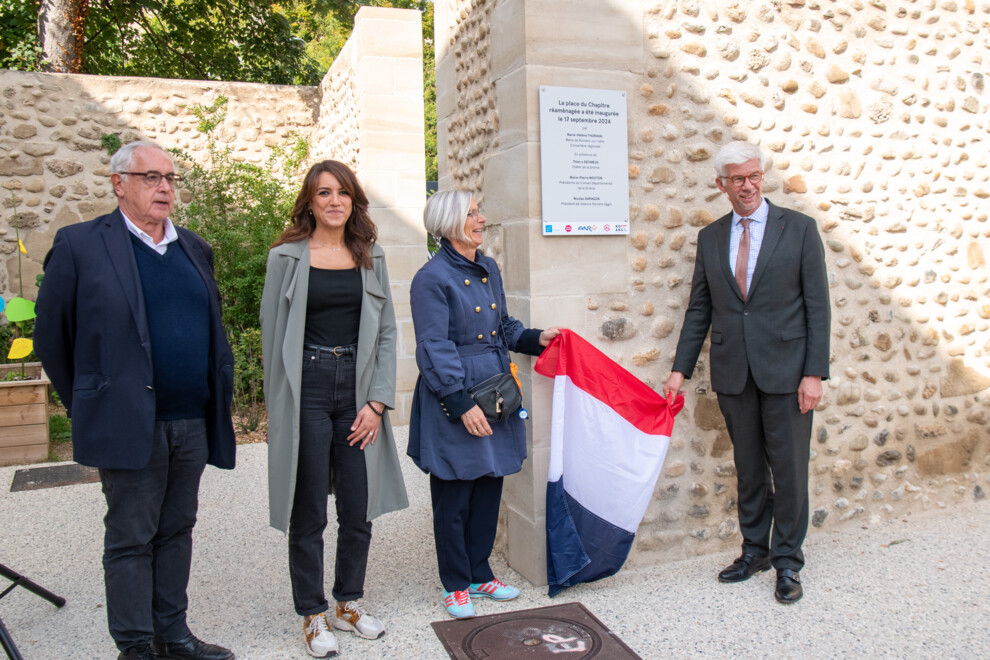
(545,632)
(53,476)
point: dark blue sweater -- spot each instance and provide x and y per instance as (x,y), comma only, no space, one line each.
(178,309)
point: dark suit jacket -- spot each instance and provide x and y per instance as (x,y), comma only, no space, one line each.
(93,340)
(781,332)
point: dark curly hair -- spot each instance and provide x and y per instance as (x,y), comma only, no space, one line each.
(360,232)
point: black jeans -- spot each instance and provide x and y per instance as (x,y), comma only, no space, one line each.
(465,519)
(147,547)
(327,412)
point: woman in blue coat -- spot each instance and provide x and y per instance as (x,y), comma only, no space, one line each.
(463,335)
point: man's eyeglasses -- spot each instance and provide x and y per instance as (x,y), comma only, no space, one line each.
(738,181)
(152,179)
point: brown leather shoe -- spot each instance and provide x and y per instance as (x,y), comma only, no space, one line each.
(789,588)
(744,568)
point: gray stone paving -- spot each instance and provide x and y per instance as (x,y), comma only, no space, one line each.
(925,596)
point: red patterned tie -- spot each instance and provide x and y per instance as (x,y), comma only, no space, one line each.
(742,257)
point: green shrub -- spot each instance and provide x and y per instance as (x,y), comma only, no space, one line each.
(59,428)
(240,209)
(249,396)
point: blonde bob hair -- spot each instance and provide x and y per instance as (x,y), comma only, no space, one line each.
(445,214)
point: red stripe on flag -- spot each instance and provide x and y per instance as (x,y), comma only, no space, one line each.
(599,376)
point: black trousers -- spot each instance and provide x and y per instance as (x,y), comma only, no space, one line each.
(147,546)
(771,442)
(465,519)
(328,410)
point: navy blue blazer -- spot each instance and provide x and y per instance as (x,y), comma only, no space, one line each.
(463,336)
(93,340)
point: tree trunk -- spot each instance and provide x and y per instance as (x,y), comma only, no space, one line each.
(61,32)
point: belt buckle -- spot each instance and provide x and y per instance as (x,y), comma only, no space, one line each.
(335,351)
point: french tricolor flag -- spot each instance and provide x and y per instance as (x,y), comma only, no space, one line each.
(609,435)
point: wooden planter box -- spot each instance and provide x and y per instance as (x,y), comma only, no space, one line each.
(23,415)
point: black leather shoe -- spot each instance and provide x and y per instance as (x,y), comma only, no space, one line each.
(137,653)
(788,586)
(744,568)
(190,648)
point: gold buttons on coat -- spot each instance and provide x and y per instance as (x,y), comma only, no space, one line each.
(493,333)
(481,336)
(484,280)
(467,282)
(477,309)
(493,305)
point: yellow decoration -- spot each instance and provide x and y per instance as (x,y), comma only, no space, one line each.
(20,244)
(20,348)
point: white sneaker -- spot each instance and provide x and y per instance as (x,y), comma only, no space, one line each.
(352,618)
(320,642)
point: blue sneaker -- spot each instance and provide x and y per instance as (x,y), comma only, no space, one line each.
(496,590)
(458,604)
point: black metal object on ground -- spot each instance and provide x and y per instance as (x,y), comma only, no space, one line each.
(53,476)
(18,580)
(558,631)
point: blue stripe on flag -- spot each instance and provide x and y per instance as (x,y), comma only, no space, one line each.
(581,547)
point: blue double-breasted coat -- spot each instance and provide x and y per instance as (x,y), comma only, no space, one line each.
(456,308)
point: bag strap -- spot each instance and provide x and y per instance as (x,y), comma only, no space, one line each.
(513,367)
(501,327)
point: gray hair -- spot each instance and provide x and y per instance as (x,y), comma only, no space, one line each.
(737,153)
(123,159)
(446,212)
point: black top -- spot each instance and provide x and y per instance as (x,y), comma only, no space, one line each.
(333,307)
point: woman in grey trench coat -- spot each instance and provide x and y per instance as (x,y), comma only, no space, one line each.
(328,337)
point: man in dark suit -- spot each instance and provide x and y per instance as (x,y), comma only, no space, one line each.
(760,284)
(129,332)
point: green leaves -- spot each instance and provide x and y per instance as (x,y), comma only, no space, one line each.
(240,209)
(243,40)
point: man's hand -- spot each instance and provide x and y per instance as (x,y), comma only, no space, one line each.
(673,384)
(809,393)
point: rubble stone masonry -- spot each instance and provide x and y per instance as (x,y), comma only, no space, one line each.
(876,120)
(368,113)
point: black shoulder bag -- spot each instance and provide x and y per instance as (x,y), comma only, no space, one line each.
(498,396)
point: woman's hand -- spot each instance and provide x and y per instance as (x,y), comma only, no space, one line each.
(365,426)
(549,334)
(476,423)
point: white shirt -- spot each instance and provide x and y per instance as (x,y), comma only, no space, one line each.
(757,227)
(160,248)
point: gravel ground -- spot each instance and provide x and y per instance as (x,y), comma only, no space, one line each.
(916,587)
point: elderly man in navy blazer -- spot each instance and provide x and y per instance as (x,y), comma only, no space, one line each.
(129,332)
(760,284)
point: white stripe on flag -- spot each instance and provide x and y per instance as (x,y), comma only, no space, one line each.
(609,466)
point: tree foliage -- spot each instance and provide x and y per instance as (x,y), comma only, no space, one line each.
(19,47)
(243,40)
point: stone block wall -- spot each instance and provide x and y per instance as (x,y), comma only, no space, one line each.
(876,121)
(367,112)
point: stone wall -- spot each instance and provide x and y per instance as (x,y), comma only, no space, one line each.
(367,113)
(877,122)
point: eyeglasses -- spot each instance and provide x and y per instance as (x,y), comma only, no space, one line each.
(474,214)
(152,179)
(739,181)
